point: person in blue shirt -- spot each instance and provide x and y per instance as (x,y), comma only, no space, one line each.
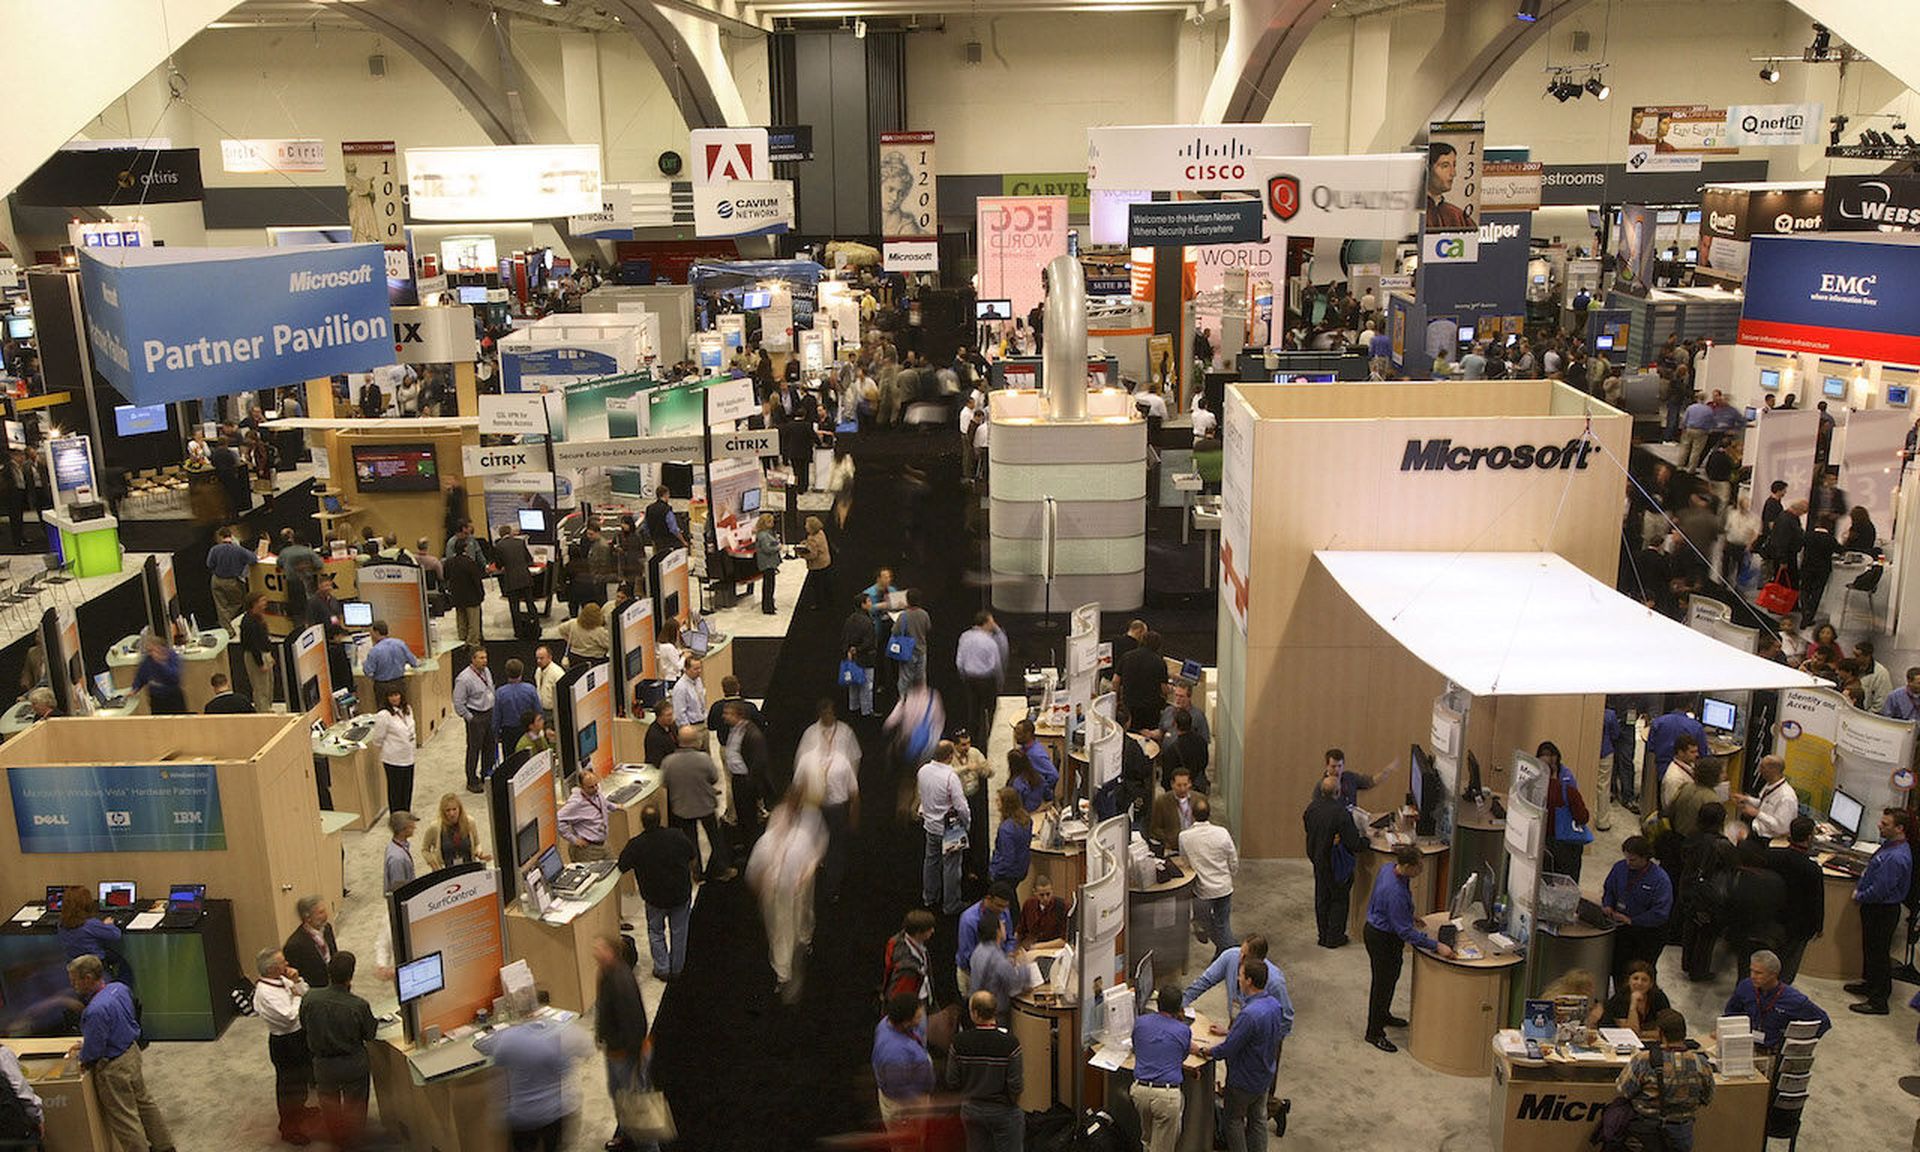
(992,969)
(1882,888)
(1013,842)
(228,564)
(1037,754)
(82,932)
(902,1070)
(1390,926)
(1638,895)
(1023,776)
(1771,1003)
(998,901)
(538,1058)
(1253,949)
(1161,1041)
(110,1049)
(387,661)
(1664,730)
(159,674)
(1903,703)
(515,703)
(1252,1053)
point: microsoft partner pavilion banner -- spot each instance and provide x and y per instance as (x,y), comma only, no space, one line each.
(118,808)
(170,324)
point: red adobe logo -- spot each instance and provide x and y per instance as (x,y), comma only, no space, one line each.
(732,161)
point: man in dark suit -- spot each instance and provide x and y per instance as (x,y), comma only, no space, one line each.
(1784,544)
(745,754)
(466,584)
(311,945)
(515,562)
(1806,907)
(1329,824)
(225,701)
(663,735)
(1143,679)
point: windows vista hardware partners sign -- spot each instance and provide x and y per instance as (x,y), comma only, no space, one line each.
(170,324)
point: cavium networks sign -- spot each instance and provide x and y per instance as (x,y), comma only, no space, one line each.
(1187,157)
(742,208)
(170,324)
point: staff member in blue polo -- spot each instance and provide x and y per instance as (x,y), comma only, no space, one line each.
(1252,1053)
(1882,888)
(386,662)
(1391,926)
(1161,1041)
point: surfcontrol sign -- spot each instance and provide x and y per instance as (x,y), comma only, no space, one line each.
(169,324)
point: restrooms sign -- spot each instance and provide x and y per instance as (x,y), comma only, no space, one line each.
(168,324)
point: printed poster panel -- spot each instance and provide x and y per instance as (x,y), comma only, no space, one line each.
(1809,725)
(532,793)
(1511,186)
(118,808)
(397,593)
(1019,236)
(1633,273)
(1236,508)
(1451,199)
(1870,470)
(591,741)
(1784,451)
(909,208)
(455,912)
(674,590)
(638,659)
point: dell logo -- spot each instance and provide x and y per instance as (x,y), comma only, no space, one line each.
(50,821)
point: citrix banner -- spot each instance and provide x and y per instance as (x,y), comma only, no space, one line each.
(118,808)
(171,324)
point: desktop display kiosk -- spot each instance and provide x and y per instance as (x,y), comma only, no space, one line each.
(81,533)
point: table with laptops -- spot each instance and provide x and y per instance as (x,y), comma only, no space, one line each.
(201,656)
(177,952)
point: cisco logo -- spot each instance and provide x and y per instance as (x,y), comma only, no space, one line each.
(1200,151)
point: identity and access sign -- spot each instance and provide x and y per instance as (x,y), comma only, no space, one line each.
(1854,297)
(170,324)
(118,808)
(1187,157)
(1175,223)
(1344,197)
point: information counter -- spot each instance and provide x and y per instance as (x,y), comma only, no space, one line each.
(86,547)
(200,659)
(1048,1028)
(1551,1105)
(1427,887)
(1458,1004)
(182,977)
(1196,1089)
(1835,953)
(559,946)
(1159,918)
(69,1106)
(429,692)
(356,779)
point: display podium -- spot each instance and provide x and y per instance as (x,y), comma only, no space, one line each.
(84,547)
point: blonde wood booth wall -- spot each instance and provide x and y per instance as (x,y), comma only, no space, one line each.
(1327,474)
(275,851)
(408,515)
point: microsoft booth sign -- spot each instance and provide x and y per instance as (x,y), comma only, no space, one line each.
(170,324)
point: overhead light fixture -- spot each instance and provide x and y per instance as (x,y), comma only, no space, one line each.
(1600,88)
(859,29)
(1839,124)
(554,3)
(1770,74)
(1528,12)
(1822,40)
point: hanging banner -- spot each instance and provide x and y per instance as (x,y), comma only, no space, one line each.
(170,324)
(723,154)
(1857,298)
(117,176)
(730,400)
(1871,204)
(614,220)
(909,207)
(910,255)
(742,208)
(1633,271)
(1495,284)
(1762,125)
(1674,137)
(504,182)
(397,593)
(1072,185)
(1344,197)
(1450,203)
(1511,185)
(118,808)
(790,145)
(372,170)
(502,460)
(442,334)
(1188,157)
(1178,223)
(455,912)
(513,414)
(1019,235)
(257,156)
(629,453)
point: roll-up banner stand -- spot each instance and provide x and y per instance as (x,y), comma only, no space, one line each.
(585,700)
(305,674)
(524,810)
(66,667)
(457,913)
(397,593)
(634,656)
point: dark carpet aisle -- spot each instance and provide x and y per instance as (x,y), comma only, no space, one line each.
(741,1069)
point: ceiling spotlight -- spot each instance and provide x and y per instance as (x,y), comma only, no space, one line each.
(859,29)
(1770,74)
(1528,12)
(554,3)
(1600,88)
(1822,40)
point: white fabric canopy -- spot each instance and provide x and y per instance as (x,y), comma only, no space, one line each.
(1531,624)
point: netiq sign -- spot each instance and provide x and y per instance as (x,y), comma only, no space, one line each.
(1444,455)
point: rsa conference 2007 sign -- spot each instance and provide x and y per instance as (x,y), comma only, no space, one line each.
(169,324)
(118,808)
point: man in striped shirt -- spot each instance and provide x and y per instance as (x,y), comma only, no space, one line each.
(984,1066)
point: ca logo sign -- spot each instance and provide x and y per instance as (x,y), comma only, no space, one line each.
(1449,248)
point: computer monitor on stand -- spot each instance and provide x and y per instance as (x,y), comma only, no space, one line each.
(1427,791)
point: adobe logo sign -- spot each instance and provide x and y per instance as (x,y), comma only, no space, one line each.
(722,154)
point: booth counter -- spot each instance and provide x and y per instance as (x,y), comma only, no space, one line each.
(444,1098)
(225,801)
(1428,892)
(630,731)
(19,718)
(623,815)
(86,547)
(1458,1004)
(429,691)
(1551,1105)
(69,1106)
(356,780)
(200,658)
(1196,1089)
(1048,1028)
(1835,954)
(1159,918)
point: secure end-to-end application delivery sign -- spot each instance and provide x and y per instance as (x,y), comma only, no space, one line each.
(169,324)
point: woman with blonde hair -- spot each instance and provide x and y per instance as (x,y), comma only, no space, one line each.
(766,558)
(586,637)
(817,592)
(452,838)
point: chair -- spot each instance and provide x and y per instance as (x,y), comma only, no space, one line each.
(1867,582)
(58,578)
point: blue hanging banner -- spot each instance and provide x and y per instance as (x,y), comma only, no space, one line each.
(170,324)
(118,808)
(1174,223)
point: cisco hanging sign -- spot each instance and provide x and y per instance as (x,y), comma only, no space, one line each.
(170,324)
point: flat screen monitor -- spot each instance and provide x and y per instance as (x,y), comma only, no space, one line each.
(1717,714)
(1833,388)
(356,613)
(589,742)
(636,662)
(56,896)
(1603,343)
(20,327)
(1693,255)
(417,978)
(117,893)
(472,293)
(697,643)
(139,419)
(310,694)
(533,519)
(750,501)
(1191,671)
(1752,414)
(526,842)
(395,468)
(670,605)
(993,309)
(103,686)
(1898,395)
(755,301)
(1845,812)
(551,865)
(1540,278)
(331,505)
(1467,333)
(1769,379)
